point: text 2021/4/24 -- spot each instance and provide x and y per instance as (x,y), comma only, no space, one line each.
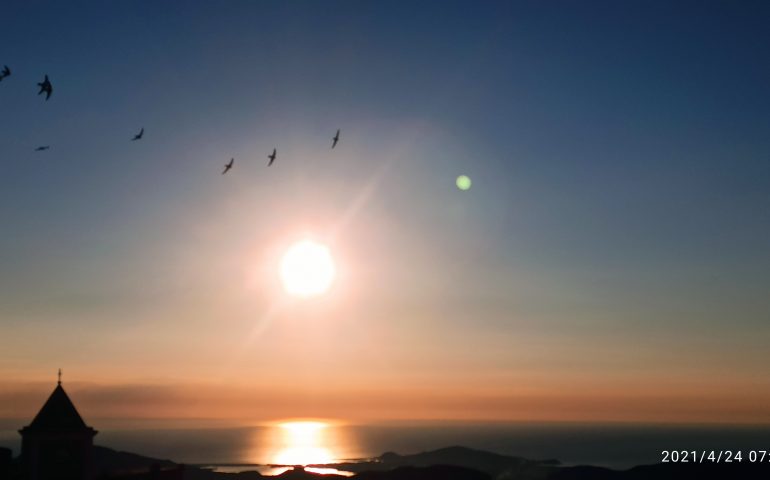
(715,456)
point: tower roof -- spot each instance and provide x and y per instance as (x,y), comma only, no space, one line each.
(58,414)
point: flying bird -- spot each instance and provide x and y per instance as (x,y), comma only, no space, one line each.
(336,139)
(5,72)
(138,136)
(44,147)
(228,166)
(272,158)
(45,87)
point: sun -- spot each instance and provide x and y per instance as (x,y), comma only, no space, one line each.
(307,269)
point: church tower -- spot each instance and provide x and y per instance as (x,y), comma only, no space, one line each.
(57,445)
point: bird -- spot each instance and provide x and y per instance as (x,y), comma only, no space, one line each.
(43,147)
(5,72)
(138,136)
(45,87)
(272,158)
(336,139)
(228,166)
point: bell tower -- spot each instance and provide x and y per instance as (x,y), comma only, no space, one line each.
(58,444)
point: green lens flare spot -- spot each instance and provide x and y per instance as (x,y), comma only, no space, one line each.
(463,182)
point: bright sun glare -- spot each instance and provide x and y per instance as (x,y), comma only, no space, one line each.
(303,444)
(307,269)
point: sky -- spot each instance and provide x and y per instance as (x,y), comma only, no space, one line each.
(610,262)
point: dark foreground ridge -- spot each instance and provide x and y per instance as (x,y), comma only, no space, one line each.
(452,463)
(492,464)
(466,462)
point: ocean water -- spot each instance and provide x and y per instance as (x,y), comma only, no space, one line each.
(612,445)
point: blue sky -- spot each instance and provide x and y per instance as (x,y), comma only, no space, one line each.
(618,151)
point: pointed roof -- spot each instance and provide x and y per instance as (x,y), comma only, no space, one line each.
(58,414)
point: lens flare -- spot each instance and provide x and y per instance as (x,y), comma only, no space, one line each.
(463,182)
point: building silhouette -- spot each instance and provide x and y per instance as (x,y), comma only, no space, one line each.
(57,445)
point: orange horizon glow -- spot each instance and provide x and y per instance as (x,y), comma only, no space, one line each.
(243,406)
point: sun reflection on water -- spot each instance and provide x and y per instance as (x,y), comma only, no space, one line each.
(303,443)
(309,444)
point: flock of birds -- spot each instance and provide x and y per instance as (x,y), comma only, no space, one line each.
(271,157)
(47,88)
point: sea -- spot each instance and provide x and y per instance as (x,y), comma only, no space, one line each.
(238,448)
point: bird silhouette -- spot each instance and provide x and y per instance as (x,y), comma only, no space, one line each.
(45,87)
(272,158)
(5,72)
(139,135)
(228,166)
(41,148)
(336,139)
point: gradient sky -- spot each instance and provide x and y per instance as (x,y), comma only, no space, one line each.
(610,262)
